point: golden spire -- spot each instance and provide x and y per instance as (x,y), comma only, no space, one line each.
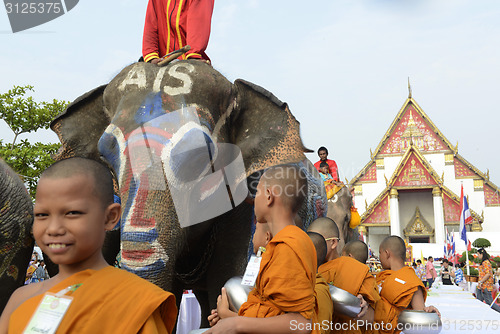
(409,88)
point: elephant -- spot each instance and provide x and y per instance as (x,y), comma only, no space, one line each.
(339,209)
(16,239)
(143,124)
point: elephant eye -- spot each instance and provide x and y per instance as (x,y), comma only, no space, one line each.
(109,146)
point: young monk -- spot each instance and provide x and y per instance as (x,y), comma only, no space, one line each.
(357,250)
(400,286)
(323,297)
(348,274)
(261,237)
(283,298)
(73,210)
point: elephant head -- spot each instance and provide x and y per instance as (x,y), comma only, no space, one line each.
(16,240)
(157,127)
(339,209)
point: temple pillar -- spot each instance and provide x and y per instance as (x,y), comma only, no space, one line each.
(362,231)
(394,212)
(439,236)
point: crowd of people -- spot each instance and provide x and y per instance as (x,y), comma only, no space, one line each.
(453,274)
(37,271)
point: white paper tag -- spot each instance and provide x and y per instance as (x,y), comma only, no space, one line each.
(252,271)
(399,280)
(49,314)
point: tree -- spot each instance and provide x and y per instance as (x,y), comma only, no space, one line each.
(481,243)
(24,115)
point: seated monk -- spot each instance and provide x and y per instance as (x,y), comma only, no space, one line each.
(323,297)
(261,237)
(357,250)
(73,210)
(283,299)
(400,286)
(348,274)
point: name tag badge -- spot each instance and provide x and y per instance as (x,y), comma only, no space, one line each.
(252,271)
(49,314)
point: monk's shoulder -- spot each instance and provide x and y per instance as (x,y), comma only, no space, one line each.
(19,296)
(132,281)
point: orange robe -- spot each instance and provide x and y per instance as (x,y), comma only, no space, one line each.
(109,300)
(396,294)
(286,279)
(324,304)
(354,277)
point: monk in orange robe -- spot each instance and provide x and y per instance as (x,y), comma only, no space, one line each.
(73,210)
(400,286)
(324,303)
(356,249)
(283,299)
(348,274)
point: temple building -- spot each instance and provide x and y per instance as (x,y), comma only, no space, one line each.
(411,187)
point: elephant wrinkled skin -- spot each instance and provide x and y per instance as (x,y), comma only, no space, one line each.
(141,123)
(16,240)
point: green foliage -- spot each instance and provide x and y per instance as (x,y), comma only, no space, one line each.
(476,260)
(481,242)
(494,265)
(462,258)
(24,115)
(496,259)
(473,271)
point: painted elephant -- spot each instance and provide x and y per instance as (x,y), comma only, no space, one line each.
(158,129)
(339,209)
(16,240)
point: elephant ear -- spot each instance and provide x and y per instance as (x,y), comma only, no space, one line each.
(80,126)
(264,128)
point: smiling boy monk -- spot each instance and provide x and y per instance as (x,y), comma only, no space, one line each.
(283,298)
(74,209)
(348,274)
(400,286)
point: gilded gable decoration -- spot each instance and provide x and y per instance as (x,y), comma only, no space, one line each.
(462,171)
(418,226)
(412,126)
(378,212)
(449,159)
(491,196)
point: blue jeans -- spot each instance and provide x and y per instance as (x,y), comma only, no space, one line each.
(429,282)
(486,296)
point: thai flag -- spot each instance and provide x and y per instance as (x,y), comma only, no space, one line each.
(465,217)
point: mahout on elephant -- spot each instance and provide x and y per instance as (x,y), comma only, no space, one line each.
(16,239)
(175,138)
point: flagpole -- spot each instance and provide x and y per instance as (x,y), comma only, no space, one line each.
(468,270)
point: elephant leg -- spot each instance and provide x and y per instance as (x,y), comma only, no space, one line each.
(202,297)
(111,246)
(231,252)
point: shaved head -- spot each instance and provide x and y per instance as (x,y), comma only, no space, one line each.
(98,172)
(326,227)
(289,183)
(395,245)
(320,245)
(357,249)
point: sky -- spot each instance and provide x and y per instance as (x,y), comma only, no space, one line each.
(341,65)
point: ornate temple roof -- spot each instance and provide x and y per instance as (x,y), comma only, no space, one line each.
(412,127)
(413,172)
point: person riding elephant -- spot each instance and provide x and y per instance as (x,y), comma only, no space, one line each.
(16,240)
(187,148)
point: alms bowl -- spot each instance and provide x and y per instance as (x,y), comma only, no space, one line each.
(236,293)
(419,322)
(199,331)
(344,303)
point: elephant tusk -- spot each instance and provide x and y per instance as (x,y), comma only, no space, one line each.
(173,55)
